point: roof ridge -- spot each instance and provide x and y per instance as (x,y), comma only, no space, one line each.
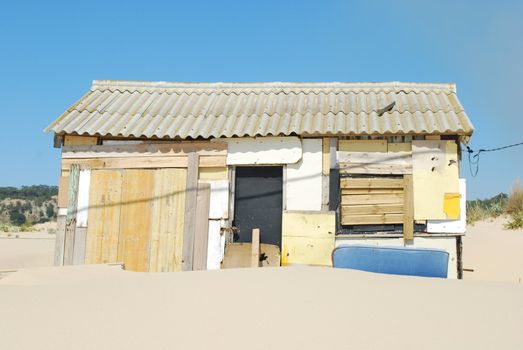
(393,85)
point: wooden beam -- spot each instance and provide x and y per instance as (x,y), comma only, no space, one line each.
(73,140)
(345,192)
(201,232)
(408,207)
(63,186)
(404,158)
(60,241)
(190,212)
(255,248)
(80,235)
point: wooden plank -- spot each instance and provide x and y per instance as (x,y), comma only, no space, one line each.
(362,145)
(408,218)
(145,150)
(432,137)
(105,196)
(62,191)
(201,231)
(349,183)
(73,140)
(372,209)
(70,222)
(135,219)
(214,173)
(372,219)
(345,192)
(59,241)
(168,220)
(143,162)
(383,169)
(309,224)
(404,158)
(79,245)
(255,248)
(219,207)
(393,198)
(190,212)
(264,150)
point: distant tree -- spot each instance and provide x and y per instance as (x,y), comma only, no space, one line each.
(49,210)
(17,218)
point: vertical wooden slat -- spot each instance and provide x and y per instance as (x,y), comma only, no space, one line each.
(135,219)
(60,241)
(104,217)
(201,233)
(408,208)
(255,248)
(79,245)
(70,220)
(167,220)
(190,211)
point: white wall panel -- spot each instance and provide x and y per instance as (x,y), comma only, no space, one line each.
(263,150)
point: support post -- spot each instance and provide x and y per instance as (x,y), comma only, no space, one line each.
(70,219)
(255,250)
(189,226)
(201,233)
(408,209)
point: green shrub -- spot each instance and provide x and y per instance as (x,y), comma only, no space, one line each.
(516,221)
(26,227)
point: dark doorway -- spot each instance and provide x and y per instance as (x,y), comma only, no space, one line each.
(258,203)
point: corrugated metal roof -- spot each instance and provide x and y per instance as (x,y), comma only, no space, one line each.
(208,110)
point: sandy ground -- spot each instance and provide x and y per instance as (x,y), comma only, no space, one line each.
(100,307)
(495,254)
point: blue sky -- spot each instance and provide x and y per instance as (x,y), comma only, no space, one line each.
(52,50)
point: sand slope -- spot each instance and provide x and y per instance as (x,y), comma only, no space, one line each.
(495,254)
(99,307)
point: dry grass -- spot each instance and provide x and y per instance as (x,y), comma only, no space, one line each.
(515,199)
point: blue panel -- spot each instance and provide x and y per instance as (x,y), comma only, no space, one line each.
(392,260)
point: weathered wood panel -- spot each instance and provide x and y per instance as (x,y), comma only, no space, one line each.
(190,212)
(369,209)
(264,150)
(63,187)
(70,221)
(398,158)
(350,183)
(371,191)
(303,181)
(105,196)
(59,241)
(362,145)
(388,198)
(135,219)
(399,147)
(378,168)
(308,224)
(435,172)
(72,140)
(214,174)
(307,251)
(143,162)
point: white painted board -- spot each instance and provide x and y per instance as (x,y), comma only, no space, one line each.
(219,203)
(214,246)
(263,150)
(303,180)
(445,243)
(453,226)
(84,182)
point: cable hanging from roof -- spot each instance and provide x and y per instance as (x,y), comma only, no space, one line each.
(474,156)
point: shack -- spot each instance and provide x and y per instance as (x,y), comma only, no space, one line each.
(167,176)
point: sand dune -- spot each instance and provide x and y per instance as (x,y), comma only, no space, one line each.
(100,307)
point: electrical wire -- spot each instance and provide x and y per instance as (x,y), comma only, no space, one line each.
(474,159)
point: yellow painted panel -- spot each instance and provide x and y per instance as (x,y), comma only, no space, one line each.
(362,145)
(451,205)
(307,251)
(213,173)
(400,147)
(309,224)
(435,172)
